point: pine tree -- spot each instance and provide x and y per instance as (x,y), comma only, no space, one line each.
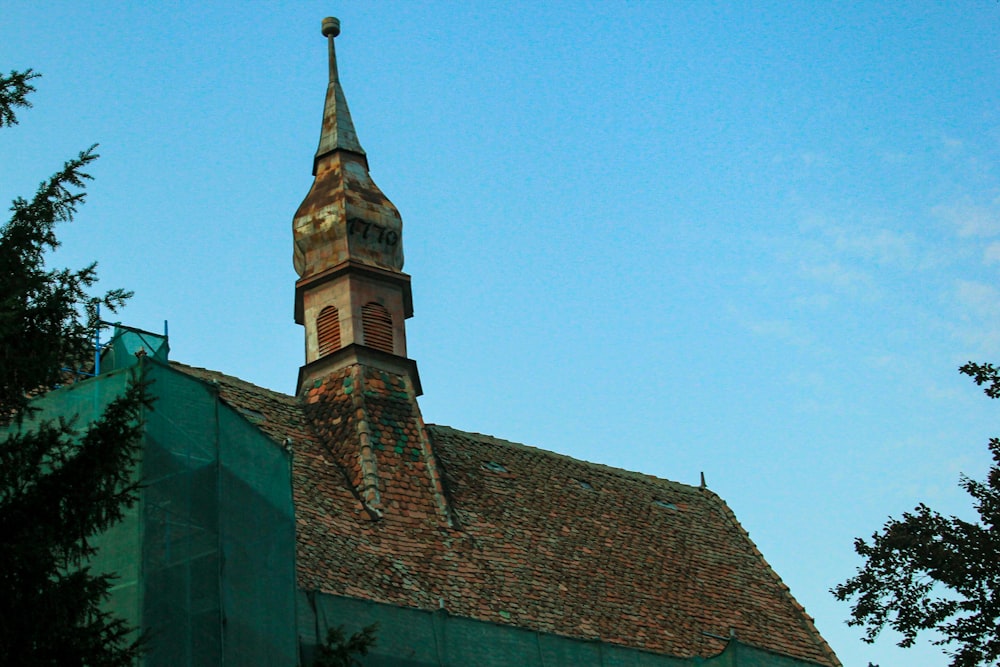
(61,483)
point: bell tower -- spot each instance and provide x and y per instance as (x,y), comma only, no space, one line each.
(352,295)
(358,387)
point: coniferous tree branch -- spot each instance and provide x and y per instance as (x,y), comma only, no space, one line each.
(41,327)
(60,488)
(14,90)
(61,483)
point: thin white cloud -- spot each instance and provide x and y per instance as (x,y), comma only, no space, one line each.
(783,330)
(991,255)
(884,360)
(881,245)
(971,219)
(780,328)
(861,242)
(813,300)
(952,143)
(809,380)
(982,301)
(895,158)
(840,277)
(771,328)
(979,323)
(811,159)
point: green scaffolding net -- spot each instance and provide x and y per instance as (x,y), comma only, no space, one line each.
(420,638)
(205,561)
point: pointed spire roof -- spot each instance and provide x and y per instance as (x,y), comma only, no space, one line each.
(345,216)
(351,293)
(338,129)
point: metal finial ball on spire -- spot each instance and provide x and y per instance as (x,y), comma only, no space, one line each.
(331,27)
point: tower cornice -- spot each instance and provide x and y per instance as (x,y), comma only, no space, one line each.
(362,355)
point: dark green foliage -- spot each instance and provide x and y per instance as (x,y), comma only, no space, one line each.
(926,571)
(47,319)
(987,374)
(339,651)
(60,483)
(14,91)
(55,494)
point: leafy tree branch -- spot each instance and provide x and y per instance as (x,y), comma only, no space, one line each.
(926,571)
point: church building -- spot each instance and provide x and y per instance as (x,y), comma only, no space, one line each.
(266,519)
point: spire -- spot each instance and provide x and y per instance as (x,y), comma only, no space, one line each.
(345,216)
(338,130)
(352,295)
(353,299)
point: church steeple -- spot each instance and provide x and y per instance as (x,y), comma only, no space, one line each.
(351,296)
(338,129)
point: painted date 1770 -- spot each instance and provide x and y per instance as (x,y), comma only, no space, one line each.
(372,231)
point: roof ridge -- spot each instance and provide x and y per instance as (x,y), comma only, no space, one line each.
(614,470)
(209,374)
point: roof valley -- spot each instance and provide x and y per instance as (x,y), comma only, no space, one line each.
(370,422)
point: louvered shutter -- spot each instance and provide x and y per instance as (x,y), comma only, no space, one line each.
(377,326)
(328,331)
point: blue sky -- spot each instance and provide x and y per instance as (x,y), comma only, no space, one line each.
(753,240)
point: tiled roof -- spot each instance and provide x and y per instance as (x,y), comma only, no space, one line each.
(394,511)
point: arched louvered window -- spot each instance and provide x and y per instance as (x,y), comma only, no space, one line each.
(377,326)
(328,331)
